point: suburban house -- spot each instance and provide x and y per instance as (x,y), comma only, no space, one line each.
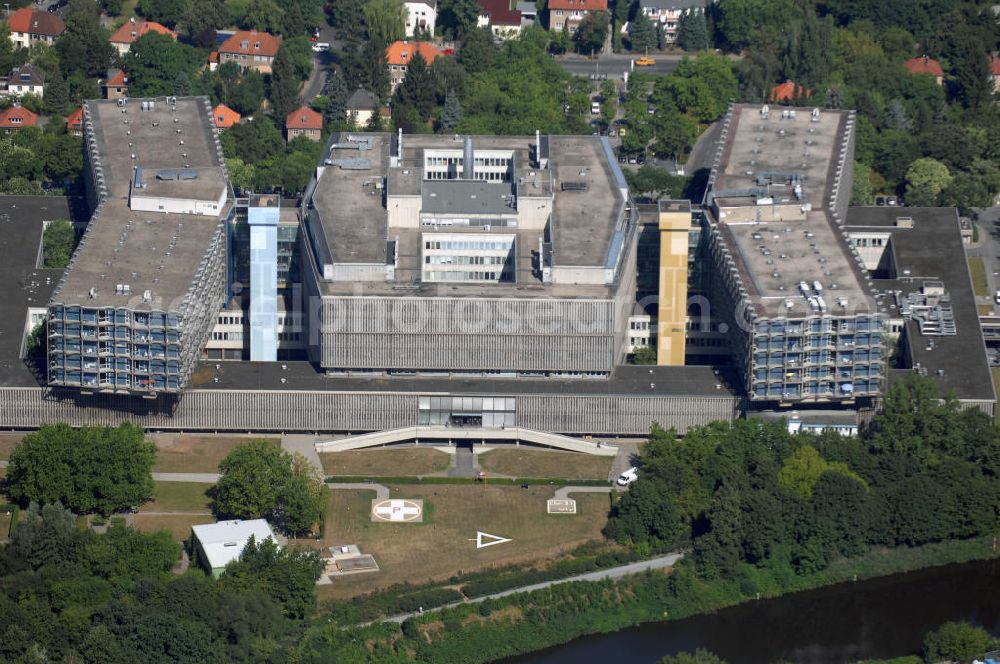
(789,91)
(399,53)
(125,36)
(497,15)
(926,65)
(115,85)
(24,80)
(33,26)
(15,117)
(421,15)
(250,50)
(218,544)
(74,122)
(995,71)
(305,122)
(668,14)
(569,13)
(529,13)
(361,106)
(225,117)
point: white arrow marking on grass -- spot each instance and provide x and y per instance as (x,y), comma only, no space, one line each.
(494,539)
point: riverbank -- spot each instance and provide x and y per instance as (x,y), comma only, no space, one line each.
(528,622)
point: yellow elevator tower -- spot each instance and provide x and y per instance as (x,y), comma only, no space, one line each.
(675,225)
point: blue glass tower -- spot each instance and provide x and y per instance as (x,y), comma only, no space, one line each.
(262,218)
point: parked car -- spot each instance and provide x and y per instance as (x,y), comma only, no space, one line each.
(320,47)
(629,476)
(595,108)
(996,297)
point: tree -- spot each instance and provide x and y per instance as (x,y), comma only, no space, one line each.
(644,355)
(284,94)
(335,113)
(56,94)
(956,642)
(92,469)
(692,31)
(458,17)
(803,469)
(202,21)
(260,480)
(156,62)
(385,20)
(479,52)
(750,22)
(84,48)
(592,32)
(248,94)
(416,91)
(287,575)
(265,15)
(925,180)
(861,187)
(657,182)
(699,656)
(167,12)
(642,34)
(972,76)
(58,242)
(452,113)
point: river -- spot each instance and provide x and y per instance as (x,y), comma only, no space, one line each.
(878,618)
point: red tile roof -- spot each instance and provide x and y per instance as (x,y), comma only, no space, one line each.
(304,118)
(132,30)
(225,117)
(582,5)
(16,117)
(36,22)
(401,52)
(924,65)
(75,120)
(500,12)
(119,78)
(213,56)
(788,91)
(251,42)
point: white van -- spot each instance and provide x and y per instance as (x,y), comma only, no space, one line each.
(595,108)
(629,476)
(319,47)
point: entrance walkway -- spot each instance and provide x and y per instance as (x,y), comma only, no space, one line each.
(464,463)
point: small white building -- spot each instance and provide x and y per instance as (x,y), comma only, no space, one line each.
(218,544)
(420,15)
(668,14)
(24,80)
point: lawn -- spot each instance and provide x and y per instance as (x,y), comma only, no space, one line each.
(8,441)
(178,526)
(196,454)
(527,462)
(979,283)
(440,547)
(996,385)
(985,309)
(386,462)
(179,497)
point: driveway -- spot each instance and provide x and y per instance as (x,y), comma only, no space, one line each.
(988,248)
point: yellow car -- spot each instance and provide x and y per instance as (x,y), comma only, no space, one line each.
(645,61)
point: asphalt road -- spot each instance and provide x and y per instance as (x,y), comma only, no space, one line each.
(663,562)
(989,249)
(615,64)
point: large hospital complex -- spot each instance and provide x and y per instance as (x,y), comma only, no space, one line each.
(431,286)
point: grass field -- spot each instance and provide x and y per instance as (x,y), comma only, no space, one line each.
(979,283)
(178,526)
(386,462)
(179,497)
(441,547)
(526,462)
(8,441)
(196,454)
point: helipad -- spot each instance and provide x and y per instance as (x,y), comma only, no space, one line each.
(398,510)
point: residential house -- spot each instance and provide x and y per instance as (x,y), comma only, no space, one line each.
(497,15)
(789,91)
(399,53)
(305,122)
(213,61)
(421,15)
(125,36)
(250,50)
(15,117)
(218,544)
(225,117)
(569,13)
(24,80)
(30,26)
(529,13)
(995,71)
(115,85)
(668,14)
(74,123)
(926,65)
(361,106)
